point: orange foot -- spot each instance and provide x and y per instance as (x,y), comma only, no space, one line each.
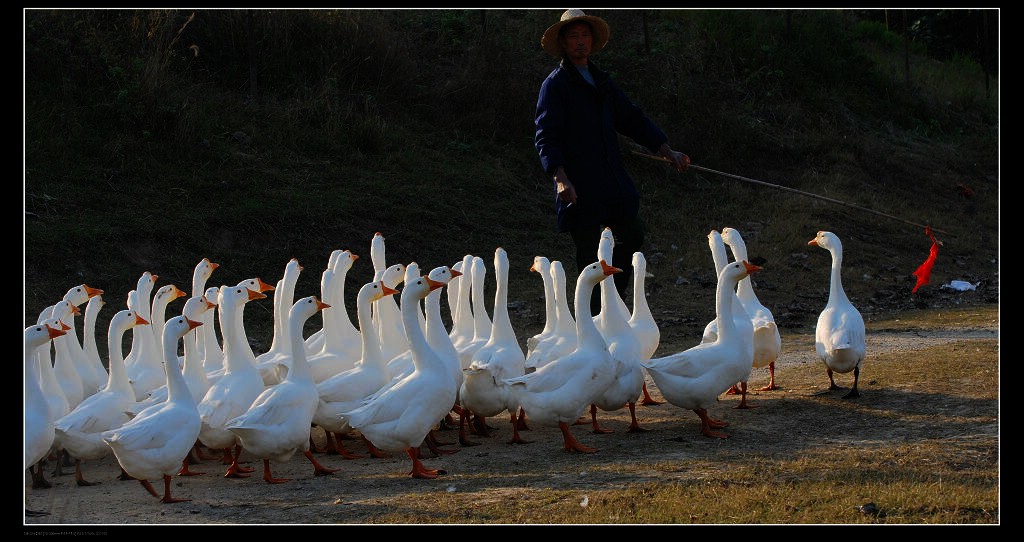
(167,492)
(318,469)
(570,444)
(648,400)
(707,423)
(268,477)
(418,470)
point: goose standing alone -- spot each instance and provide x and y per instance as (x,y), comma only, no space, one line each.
(277,424)
(839,336)
(154,443)
(694,378)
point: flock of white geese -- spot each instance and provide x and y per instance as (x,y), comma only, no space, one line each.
(393,375)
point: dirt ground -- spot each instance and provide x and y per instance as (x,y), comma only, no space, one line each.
(786,421)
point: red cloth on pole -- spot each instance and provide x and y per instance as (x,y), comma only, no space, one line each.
(924,271)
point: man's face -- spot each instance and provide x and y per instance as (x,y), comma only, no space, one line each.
(577,41)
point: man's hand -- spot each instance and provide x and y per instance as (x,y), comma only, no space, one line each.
(678,159)
(564,188)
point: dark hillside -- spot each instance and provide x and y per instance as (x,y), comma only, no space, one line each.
(156,138)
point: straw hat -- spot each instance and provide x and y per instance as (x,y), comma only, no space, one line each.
(549,41)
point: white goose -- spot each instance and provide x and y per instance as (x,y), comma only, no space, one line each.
(481,322)
(611,301)
(644,326)
(192,363)
(434,329)
(237,328)
(315,341)
(79,431)
(143,360)
(340,343)
(192,370)
(347,390)
(694,378)
(461,311)
(277,424)
(239,385)
(271,374)
(610,298)
(839,335)
(627,387)
(439,339)
(57,404)
(150,376)
(154,443)
(388,316)
(767,341)
(560,392)
(208,345)
(441,342)
(271,363)
(484,392)
(64,361)
(94,375)
(91,379)
(452,293)
(39,433)
(400,416)
(412,271)
(739,315)
(200,275)
(162,299)
(542,266)
(563,340)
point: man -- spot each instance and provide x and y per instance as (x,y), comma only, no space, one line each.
(580,112)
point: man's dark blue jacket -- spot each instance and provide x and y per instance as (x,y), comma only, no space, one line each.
(577,128)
